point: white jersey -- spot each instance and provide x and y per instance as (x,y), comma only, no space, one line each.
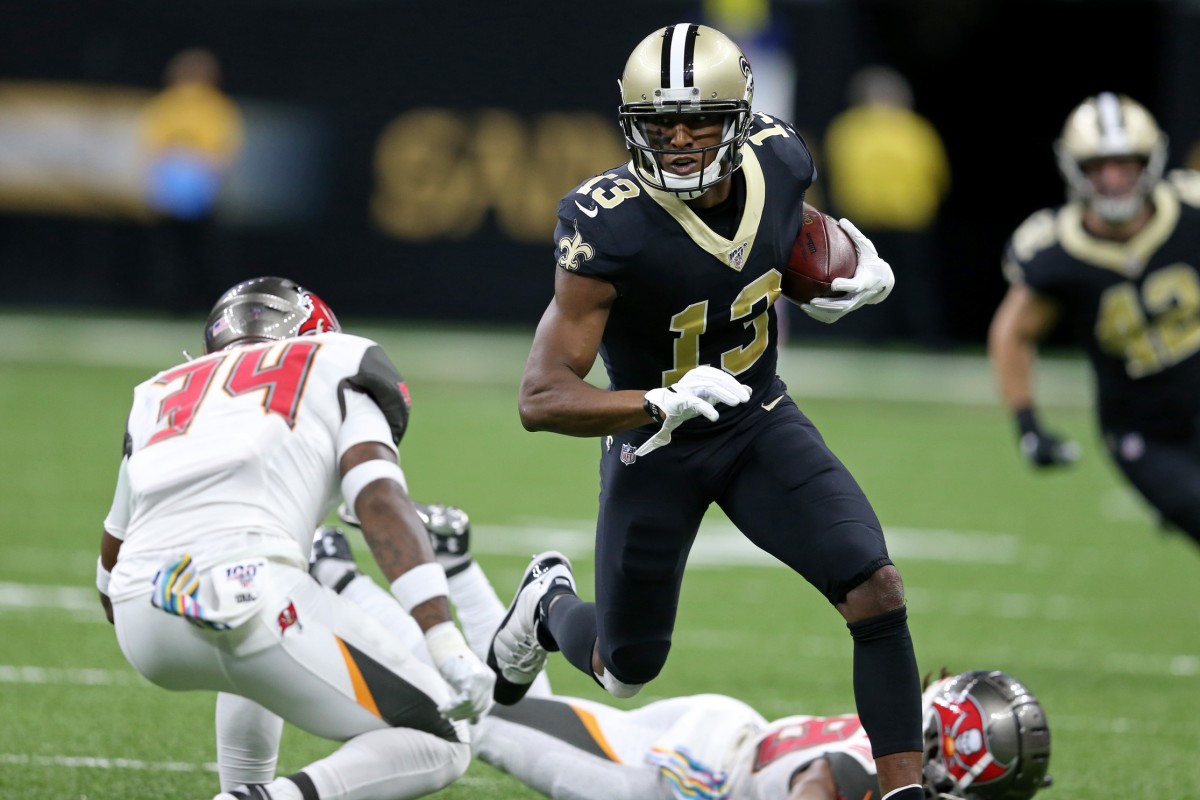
(237,453)
(763,767)
(687,748)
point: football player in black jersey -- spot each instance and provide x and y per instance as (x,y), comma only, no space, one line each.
(669,267)
(1118,265)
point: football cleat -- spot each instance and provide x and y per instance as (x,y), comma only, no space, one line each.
(253,791)
(449,531)
(516,655)
(331,562)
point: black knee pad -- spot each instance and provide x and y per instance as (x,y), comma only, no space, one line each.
(637,663)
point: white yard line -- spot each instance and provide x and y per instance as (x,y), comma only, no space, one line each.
(97,762)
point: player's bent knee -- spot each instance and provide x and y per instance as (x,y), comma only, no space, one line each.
(461,760)
(878,594)
(636,664)
(619,690)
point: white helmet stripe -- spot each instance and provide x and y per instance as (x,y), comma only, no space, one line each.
(679,53)
(1112,126)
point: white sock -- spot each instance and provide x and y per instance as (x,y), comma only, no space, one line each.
(895,792)
(479,608)
(247,741)
(283,789)
(328,571)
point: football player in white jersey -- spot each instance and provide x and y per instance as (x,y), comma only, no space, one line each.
(230,461)
(986,736)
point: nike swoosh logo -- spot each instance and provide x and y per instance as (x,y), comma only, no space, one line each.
(771,405)
(591,212)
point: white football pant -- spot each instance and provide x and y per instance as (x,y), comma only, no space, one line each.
(320,662)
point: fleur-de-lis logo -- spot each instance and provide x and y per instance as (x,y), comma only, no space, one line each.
(573,250)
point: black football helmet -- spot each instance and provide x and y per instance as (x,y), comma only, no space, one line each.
(986,738)
(263,310)
(691,70)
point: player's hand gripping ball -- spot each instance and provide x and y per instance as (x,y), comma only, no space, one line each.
(821,253)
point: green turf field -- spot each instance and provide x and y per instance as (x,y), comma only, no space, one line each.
(1060,579)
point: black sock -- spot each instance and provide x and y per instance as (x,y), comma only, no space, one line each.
(571,624)
(887,686)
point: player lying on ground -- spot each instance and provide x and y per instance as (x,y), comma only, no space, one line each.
(985,734)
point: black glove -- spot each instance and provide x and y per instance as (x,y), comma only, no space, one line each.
(1041,448)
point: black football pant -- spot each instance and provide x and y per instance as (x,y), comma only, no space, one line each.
(772,475)
(1165,471)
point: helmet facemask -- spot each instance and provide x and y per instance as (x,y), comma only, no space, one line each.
(691,74)
(1111,126)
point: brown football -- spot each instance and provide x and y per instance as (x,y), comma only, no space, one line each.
(822,252)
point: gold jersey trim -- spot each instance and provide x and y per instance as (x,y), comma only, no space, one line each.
(733,253)
(1127,258)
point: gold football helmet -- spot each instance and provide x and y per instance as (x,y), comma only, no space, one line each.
(693,70)
(1105,126)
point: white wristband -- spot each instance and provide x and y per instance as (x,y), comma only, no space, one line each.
(103,576)
(361,475)
(419,584)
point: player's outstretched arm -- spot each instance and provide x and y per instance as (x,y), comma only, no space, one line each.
(554,394)
(1020,322)
(374,487)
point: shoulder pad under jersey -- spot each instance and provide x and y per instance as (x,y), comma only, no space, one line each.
(776,139)
(600,217)
(1186,183)
(377,378)
(1037,233)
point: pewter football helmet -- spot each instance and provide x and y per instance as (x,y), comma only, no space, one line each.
(1105,126)
(263,310)
(693,70)
(986,738)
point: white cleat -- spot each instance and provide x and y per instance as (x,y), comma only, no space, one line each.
(515,654)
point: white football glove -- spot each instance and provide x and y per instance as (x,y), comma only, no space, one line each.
(872,282)
(470,680)
(693,395)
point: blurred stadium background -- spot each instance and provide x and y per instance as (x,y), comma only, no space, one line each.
(404,161)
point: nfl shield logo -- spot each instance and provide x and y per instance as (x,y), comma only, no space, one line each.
(628,456)
(737,255)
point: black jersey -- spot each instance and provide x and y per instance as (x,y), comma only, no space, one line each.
(1134,306)
(686,294)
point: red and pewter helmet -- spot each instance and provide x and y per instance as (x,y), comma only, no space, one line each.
(263,310)
(986,738)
